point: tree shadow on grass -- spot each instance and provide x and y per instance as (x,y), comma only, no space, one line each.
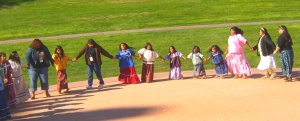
(5,4)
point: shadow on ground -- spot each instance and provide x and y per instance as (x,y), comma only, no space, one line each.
(5,4)
(96,115)
(52,106)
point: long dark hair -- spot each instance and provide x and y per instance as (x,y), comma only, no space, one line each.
(286,34)
(36,44)
(237,30)
(148,44)
(62,51)
(196,47)
(265,31)
(13,57)
(127,47)
(92,41)
(173,49)
(217,48)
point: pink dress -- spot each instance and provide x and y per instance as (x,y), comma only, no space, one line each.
(236,58)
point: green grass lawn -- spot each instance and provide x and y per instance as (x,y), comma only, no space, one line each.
(183,40)
(37,18)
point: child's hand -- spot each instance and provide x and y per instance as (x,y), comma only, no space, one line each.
(74,60)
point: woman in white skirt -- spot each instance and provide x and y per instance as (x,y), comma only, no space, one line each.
(265,47)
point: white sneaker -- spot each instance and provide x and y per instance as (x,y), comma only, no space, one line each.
(100,86)
(89,87)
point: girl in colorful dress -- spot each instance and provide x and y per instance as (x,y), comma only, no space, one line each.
(21,89)
(217,59)
(284,46)
(236,58)
(60,61)
(127,71)
(148,55)
(175,65)
(197,59)
(4,109)
(265,47)
(9,84)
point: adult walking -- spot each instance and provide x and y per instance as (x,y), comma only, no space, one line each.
(92,52)
(284,46)
(236,58)
(38,60)
(265,47)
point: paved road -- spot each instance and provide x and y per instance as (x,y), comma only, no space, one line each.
(210,99)
(149,30)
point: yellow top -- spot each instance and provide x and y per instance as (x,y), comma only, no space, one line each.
(60,64)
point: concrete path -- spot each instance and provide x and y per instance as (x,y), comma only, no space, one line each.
(149,30)
(210,99)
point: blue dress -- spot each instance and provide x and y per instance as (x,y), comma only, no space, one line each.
(127,71)
(220,65)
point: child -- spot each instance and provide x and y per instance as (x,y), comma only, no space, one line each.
(60,62)
(9,84)
(175,65)
(127,71)
(20,87)
(149,56)
(217,59)
(4,109)
(197,57)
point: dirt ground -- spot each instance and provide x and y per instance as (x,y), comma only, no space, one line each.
(210,99)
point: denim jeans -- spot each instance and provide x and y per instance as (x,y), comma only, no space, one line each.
(287,61)
(34,74)
(94,67)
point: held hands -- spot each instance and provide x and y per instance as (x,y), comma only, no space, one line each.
(27,66)
(74,60)
(251,49)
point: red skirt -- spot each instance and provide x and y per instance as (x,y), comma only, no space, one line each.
(62,82)
(128,75)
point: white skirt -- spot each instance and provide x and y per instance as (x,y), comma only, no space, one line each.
(266,62)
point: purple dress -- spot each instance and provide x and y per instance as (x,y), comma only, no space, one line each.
(9,86)
(175,65)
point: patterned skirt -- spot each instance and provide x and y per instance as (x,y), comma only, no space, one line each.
(175,73)
(199,70)
(147,72)
(62,82)
(21,89)
(128,76)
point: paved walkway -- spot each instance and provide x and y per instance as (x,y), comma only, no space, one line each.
(149,30)
(212,99)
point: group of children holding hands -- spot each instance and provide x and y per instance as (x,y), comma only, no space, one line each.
(13,89)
